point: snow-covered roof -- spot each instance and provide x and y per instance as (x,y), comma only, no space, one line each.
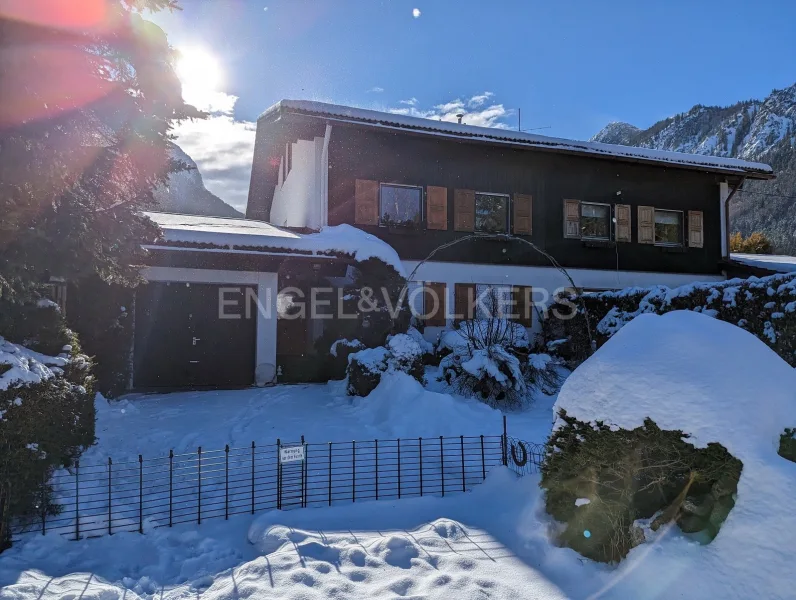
(772,262)
(249,235)
(494,135)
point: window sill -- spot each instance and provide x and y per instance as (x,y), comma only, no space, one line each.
(671,249)
(598,243)
(403,229)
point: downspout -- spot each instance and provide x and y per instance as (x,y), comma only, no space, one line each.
(324,187)
(727,215)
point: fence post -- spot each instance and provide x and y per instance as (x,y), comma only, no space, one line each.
(252,477)
(399,468)
(43,503)
(483,461)
(110,513)
(353,471)
(304,474)
(199,477)
(505,444)
(77,499)
(226,482)
(171,483)
(140,494)
(377,468)
(442,466)
(330,473)
(464,484)
(420,446)
(278,475)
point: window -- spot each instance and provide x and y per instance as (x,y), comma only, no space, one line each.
(401,205)
(492,301)
(669,227)
(595,221)
(491,213)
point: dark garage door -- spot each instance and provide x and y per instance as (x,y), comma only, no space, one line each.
(180,341)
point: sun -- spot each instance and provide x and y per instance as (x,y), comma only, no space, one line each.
(198,70)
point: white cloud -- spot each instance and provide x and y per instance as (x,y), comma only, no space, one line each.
(222,148)
(475,111)
(376,90)
(479,99)
(416,12)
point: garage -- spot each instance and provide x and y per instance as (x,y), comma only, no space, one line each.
(184,340)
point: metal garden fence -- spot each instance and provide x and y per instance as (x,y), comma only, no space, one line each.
(99,499)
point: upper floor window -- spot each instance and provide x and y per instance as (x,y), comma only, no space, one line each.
(491,213)
(400,205)
(668,227)
(595,221)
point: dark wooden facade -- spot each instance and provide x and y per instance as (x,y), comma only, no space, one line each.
(357,151)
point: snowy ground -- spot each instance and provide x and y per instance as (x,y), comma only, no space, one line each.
(153,424)
(492,542)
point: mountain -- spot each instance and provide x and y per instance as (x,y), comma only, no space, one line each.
(757,130)
(186,192)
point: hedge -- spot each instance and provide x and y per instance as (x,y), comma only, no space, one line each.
(766,307)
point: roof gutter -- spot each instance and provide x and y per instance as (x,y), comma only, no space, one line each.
(727,215)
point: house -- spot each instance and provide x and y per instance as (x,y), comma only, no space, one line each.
(463,211)
(612,216)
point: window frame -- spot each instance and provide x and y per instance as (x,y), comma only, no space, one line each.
(500,290)
(610,222)
(477,193)
(681,243)
(421,208)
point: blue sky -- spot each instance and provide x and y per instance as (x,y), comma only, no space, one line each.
(572,66)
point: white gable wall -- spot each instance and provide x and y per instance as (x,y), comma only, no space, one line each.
(299,197)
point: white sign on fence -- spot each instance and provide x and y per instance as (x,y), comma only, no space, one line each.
(291,454)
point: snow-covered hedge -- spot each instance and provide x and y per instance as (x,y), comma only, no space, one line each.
(46,418)
(766,307)
(402,353)
(678,418)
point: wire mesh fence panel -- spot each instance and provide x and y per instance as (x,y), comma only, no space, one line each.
(135,495)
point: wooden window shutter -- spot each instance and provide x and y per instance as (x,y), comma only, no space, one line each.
(572,218)
(366,202)
(646,225)
(435,304)
(464,301)
(523,214)
(464,210)
(522,305)
(436,207)
(695,236)
(623,223)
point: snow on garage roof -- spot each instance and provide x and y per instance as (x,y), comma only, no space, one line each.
(772,262)
(244,234)
(493,135)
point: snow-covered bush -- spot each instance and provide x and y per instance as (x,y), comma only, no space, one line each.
(338,356)
(676,418)
(489,359)
(626,475)
(46,416)
(766,307)
(401,354)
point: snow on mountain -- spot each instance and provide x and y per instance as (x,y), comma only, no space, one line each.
(186,192)
(762,131)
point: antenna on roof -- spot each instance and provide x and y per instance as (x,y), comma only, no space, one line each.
(459,116)
(519,123)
